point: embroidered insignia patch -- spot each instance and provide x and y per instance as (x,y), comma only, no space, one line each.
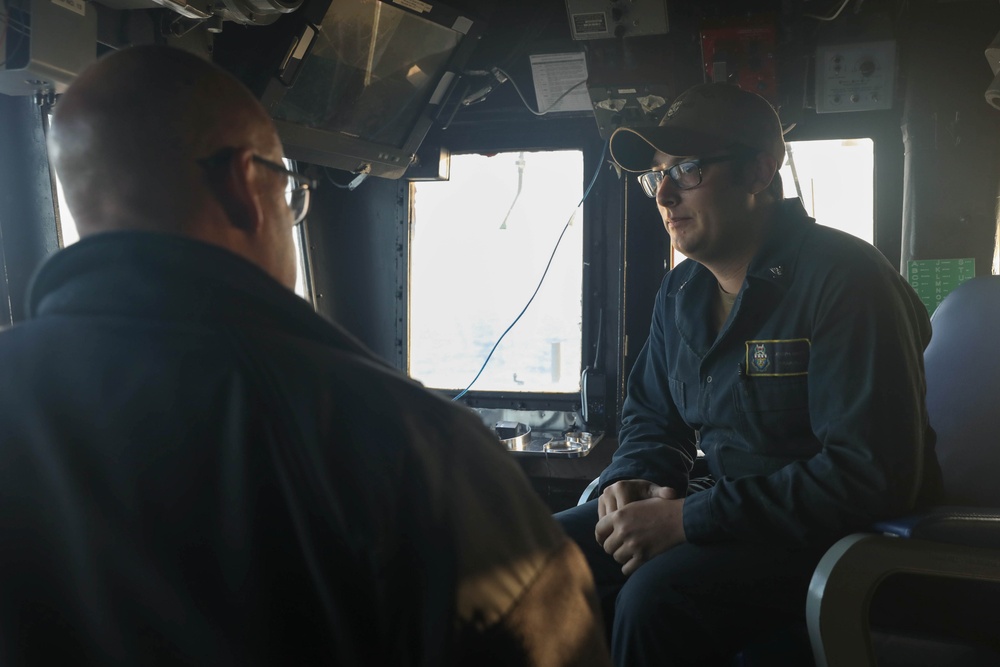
(760,360)
(772,358)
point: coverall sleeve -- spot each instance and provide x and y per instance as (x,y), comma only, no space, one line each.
(655,444)
(866,407)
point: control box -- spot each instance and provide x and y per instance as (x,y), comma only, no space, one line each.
(630,82)
(855,76)
(745,55)
(603,19)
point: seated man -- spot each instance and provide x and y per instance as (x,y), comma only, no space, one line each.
(789,353)
(196,468)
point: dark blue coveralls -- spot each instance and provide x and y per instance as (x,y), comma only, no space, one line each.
(809,408)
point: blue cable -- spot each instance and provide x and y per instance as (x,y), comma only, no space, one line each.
(586,193)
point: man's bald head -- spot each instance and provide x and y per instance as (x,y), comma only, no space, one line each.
(128,132)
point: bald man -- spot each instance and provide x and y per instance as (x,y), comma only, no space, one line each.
(196,468)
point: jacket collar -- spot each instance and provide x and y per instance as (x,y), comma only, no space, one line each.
(776,259)
(775,262)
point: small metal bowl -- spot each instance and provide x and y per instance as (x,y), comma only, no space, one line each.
(572,441)
(515,436)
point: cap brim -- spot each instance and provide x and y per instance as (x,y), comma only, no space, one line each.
(633,149)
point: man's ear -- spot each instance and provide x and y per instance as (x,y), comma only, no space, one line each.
(760,172)
(238,192)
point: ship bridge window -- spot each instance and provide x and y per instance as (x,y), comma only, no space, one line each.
(480,246)
(835,179)
(69,235)
(64,220)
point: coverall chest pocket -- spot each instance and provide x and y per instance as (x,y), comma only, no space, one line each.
(774,411)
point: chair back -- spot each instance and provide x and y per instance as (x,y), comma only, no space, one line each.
(962,363)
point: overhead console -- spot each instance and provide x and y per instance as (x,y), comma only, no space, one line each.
(354,84)
(624,59)
(45,44)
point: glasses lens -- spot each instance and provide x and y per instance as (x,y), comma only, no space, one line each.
(650,181)
(686,174)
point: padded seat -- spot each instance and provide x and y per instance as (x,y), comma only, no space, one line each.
(952,545)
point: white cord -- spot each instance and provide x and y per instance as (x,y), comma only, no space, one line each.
(551,106)
(829,18)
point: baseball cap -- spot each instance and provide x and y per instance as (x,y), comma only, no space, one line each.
(705,118)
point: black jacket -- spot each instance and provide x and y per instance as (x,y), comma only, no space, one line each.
(808,405)
(197,468)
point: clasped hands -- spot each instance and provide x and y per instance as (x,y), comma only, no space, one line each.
(638,520)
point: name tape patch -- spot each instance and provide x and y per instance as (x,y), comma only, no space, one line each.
(771,358)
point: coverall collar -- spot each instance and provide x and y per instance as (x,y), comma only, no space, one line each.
(774,264)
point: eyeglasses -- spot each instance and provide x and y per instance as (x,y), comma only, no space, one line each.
(685,175)
(297,191)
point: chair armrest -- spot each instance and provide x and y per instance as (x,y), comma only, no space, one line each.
(971,526)
(588,493)
(848,574)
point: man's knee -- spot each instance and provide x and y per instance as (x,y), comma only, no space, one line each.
(579,523)
(657,622)
(653,591)
(579,519)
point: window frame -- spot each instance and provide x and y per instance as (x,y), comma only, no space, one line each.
(883,128)
(300,232)
(594,304)
(544,254)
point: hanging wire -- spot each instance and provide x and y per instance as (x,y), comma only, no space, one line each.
(551,106)
(358,178)
(334,182)
(520,186)
(586,193)
(496,77)
(829,18)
